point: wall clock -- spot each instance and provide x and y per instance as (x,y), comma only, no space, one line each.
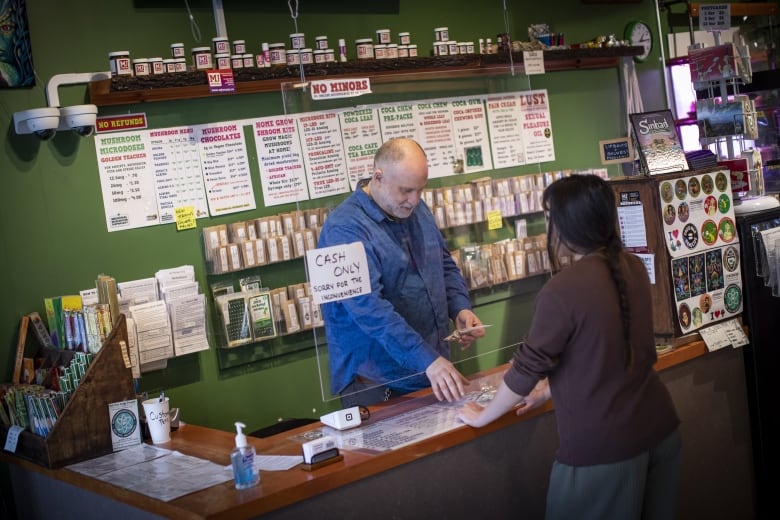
(638,33)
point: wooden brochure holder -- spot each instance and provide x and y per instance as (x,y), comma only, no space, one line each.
(83,429)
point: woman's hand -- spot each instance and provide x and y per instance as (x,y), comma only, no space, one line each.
(538,396)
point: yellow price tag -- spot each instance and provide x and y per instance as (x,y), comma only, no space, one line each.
(185,217)
(494,219)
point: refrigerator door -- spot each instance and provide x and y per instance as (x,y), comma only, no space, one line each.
(762,357)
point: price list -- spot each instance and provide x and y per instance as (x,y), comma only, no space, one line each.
(504,122)
(177,172)
(323,154)
(397,121)
(435,135)
(361,134)
(469,124)
(127,181)
(225,168)
(282,172)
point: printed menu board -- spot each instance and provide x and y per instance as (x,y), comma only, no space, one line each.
(323,154)
(362,136)
(177,172)
(506,136)
(127,180)
(436,135)
(146,175)
(397,120)
(282,172)
(223,159)
(470,134)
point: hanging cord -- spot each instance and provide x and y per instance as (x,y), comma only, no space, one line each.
(509,39)
(294,16)
(196,34)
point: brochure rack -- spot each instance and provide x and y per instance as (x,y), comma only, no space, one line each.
(83,429)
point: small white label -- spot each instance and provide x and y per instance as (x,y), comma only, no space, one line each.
(13,438)
(533,62)
(719,335)
(714,17)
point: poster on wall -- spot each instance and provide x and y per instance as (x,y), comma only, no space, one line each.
(362,136)
(436,135)
(127,180)
(16,67)
(177,172)
(323,154)
(225,167)
(470,132)
(537,126)
(397,120)
(282,174)
(506,135)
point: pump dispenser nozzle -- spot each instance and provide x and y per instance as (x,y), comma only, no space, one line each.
(240,437)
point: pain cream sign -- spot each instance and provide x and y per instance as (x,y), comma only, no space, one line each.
(338,272)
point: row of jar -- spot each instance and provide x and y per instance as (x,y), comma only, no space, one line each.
(202,59)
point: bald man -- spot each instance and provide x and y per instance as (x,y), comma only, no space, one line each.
(391,341)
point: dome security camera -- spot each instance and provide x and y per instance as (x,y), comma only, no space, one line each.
(79,118)
(43,122)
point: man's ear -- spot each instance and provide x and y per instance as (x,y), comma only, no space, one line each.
(378,174)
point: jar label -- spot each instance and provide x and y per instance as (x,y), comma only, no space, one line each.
(203,61)
(123,67)
(221,47)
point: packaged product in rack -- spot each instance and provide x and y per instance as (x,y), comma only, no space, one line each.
(658,143)
(740,177)
(234,312)
(250,283)
(248,255)
(719,62)
(772,176)
(719,119)
(261,314)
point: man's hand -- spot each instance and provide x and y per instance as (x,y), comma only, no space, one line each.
(446,382)
(467,319)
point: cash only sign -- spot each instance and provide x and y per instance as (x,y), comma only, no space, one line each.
(338,272)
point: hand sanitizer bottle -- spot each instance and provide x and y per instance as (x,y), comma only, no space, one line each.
(243,459)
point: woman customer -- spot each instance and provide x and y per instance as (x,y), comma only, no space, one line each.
(591,348)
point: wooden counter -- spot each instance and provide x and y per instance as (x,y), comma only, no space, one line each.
(282,494)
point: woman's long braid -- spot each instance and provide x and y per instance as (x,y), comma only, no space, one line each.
(614,253)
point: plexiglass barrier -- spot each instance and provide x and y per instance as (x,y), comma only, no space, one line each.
(484,140)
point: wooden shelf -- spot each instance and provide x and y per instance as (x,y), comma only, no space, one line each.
(193,84)
(742,9)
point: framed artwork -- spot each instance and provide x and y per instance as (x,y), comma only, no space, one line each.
(16,68)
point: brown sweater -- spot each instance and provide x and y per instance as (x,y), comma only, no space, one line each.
(606,411)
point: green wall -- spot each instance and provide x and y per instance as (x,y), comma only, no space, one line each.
(52,226)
